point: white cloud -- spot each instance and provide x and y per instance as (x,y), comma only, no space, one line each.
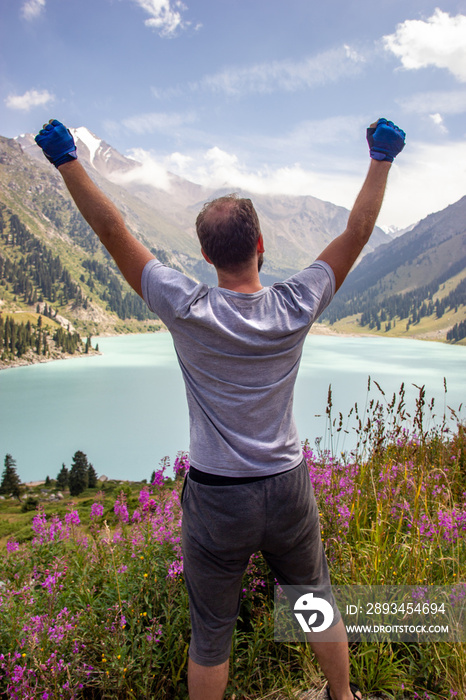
(165,16)
(167,93)
(32,9)
(157,121)
(148,171)
(438,121)
(216,168)
(31,98)
(287,75)
(426,179)
(439,41)
(447,102)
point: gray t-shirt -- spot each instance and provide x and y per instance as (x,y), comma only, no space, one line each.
(239,355)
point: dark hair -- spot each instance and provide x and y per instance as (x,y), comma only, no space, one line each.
(228,230)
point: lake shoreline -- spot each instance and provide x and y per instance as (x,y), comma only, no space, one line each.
(317,329)
(27,362)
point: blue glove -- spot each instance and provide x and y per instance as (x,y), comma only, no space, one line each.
(57,143)
(385,140)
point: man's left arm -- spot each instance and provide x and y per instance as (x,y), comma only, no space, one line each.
(100,213)
(385,141)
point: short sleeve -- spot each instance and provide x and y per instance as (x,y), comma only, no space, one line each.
(312,288)
(168,292)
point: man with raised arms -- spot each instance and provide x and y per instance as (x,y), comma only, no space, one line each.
(239,346)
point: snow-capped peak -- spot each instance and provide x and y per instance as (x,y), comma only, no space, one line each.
(89,140)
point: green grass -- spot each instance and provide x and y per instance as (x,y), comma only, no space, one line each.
(17,524)
(25,316)
(429,327)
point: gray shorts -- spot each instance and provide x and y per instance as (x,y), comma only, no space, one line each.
(222,526)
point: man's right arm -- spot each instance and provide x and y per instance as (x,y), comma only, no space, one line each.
(105,219)
(100,213)
(385,141)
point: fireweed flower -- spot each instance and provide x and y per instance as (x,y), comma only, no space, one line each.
(144,497)
(175,569)
(52,580)
(120,508)
(181,465)
(48,531)
(335,488)
(159,477)
(56,530)
(39,522)
(459,593)
(72,518)
(97,510)
(155,635)
(35,627)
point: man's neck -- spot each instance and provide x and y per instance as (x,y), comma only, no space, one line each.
(247,281)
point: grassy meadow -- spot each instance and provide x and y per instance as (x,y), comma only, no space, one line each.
(428,328)
(92,600)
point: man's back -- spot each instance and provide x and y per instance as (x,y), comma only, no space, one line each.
(239,354)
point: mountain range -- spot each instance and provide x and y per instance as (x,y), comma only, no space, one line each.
(295,229)
(160,209)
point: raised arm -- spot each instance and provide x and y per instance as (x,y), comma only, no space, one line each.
(100,213)
(385,141)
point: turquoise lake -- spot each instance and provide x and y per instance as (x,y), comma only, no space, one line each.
(126,408)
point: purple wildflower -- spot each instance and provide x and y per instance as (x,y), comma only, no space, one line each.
(97,510)
(120,508)
(181,466)
(175,569)
(72,518)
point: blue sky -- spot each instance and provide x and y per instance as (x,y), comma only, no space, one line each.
(267,95)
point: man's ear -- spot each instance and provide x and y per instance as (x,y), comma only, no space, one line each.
(206,257)
(260,244)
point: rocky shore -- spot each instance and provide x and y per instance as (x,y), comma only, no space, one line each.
(31,358)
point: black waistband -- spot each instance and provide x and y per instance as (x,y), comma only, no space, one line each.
(220,480)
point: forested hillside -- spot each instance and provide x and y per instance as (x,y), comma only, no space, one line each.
(49,257)
(36,340)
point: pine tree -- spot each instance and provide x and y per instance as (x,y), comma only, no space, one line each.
(78,473)
(152,477)
(91,477)
(63,478)
(10,479)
